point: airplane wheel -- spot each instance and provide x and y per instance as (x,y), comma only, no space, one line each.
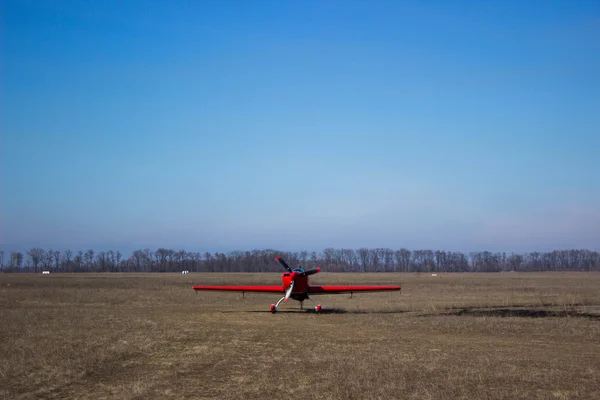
(272,308)
(318,308)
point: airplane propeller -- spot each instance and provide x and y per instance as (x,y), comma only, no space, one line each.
(282,262)
(310,272)
(298,273)
(288,292)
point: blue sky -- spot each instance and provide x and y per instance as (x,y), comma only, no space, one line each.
(456,125)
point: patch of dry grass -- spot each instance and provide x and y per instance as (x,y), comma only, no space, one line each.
(459,336)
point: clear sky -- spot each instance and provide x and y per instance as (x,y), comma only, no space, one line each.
(453,125)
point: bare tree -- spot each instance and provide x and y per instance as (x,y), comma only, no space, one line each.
(303,256)
(67,260)
(375,259)
(110,260)
(101,261)
(36,255)
(313,258)
(88,258)
(57,260)
(208,262)
(333,260)
(79,260)
(16,260)
(363,255)
(402,259)
(118,258)
(47,260)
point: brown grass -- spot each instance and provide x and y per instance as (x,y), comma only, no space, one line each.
(454,336)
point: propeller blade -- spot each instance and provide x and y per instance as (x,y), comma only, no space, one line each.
(288,292)
(312,271)
(282,262)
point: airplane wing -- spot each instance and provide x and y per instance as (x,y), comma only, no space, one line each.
(350,289)
(263,289)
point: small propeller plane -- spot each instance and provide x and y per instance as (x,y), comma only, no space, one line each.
(295,286)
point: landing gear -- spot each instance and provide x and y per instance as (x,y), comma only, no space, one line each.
(317,306)
(273,307)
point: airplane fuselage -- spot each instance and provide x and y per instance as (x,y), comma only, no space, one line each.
(300,290)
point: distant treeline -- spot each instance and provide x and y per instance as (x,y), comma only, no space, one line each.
(331,260)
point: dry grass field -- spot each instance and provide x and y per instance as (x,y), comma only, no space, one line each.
(150,336)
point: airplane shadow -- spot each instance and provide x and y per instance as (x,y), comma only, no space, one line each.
(467,311)
(323,311)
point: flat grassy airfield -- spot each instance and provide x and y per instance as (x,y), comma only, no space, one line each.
(150,336)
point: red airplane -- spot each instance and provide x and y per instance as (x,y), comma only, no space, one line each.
(295,286)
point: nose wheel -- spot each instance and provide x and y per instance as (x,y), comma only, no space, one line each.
(273,307)
(317,306)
